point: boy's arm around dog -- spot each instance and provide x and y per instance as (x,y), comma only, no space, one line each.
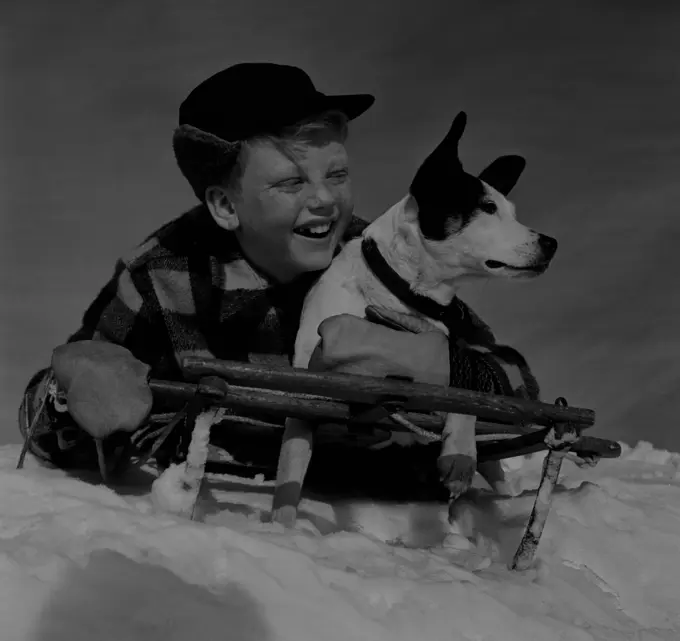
(386,343)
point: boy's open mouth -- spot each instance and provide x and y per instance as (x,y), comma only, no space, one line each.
(316,230)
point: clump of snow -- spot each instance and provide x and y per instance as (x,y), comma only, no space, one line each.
(177,488)
(81,561)
(167,492)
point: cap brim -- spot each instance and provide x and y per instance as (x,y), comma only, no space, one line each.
(352,105)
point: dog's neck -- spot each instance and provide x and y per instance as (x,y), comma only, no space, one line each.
(400,244)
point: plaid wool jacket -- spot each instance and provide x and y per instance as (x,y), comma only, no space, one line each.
(188,290)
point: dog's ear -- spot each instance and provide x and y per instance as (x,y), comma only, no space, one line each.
(455,132)
(441,188)
(442,164)
(503,173)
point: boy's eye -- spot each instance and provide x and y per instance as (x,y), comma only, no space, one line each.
(290,183)
(339,174)
(488,207)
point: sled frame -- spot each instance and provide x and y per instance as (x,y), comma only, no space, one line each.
(218,391)
(508,426)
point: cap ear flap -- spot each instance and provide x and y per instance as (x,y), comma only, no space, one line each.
(202,157)
(503,173)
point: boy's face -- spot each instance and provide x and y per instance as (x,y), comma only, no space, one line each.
(293,206)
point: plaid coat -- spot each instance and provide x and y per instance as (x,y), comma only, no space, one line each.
(187,290)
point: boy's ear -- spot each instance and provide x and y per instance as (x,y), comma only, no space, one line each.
(221,208)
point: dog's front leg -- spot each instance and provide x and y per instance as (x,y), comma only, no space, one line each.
(457,461)
(457,464)
(494,474)
(294,458)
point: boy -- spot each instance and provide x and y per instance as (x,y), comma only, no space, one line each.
(264,153)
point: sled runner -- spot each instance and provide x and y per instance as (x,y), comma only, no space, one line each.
(259,397)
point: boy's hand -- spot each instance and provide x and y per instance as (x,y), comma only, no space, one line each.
(106,386)
(358,346)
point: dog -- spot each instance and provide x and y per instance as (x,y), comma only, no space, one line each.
(451,227)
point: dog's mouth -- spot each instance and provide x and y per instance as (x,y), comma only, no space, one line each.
(315,230)
(534,268)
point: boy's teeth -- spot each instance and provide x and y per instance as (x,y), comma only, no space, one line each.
(317,230)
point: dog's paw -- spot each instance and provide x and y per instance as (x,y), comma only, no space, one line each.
(456,472)
(477,544)
(285,515)
(466,547)
(487,547)
(456,542)
(462,553)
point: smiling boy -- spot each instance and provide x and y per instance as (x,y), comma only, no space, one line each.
(264,153)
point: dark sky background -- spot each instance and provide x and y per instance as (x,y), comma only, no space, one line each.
(589,92)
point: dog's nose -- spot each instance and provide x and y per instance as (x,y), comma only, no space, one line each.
(548,246)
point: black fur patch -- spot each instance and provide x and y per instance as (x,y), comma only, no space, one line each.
(440,179)
(445,193)
(458,207)
(503,173)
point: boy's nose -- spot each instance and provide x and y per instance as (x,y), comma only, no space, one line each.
(321,198)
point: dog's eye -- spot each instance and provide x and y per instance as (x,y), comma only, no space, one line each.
(488,207)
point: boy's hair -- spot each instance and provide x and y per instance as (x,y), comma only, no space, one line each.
(206,160)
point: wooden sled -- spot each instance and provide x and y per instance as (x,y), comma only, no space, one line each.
(506,427)
(217,392)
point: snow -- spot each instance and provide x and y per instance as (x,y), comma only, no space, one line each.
(80,561)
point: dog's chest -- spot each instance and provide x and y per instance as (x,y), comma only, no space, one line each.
(375,293)
(351,273)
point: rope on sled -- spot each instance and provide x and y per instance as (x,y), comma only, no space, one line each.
(476,359)
(477,370)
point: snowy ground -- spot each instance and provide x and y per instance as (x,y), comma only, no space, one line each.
(79,561)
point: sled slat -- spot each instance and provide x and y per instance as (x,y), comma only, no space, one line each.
(280,404)
(586,446)
(495,441)
(419,397)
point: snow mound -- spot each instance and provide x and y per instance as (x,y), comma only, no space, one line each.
(81,561)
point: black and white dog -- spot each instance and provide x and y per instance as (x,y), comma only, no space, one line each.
(451,227)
